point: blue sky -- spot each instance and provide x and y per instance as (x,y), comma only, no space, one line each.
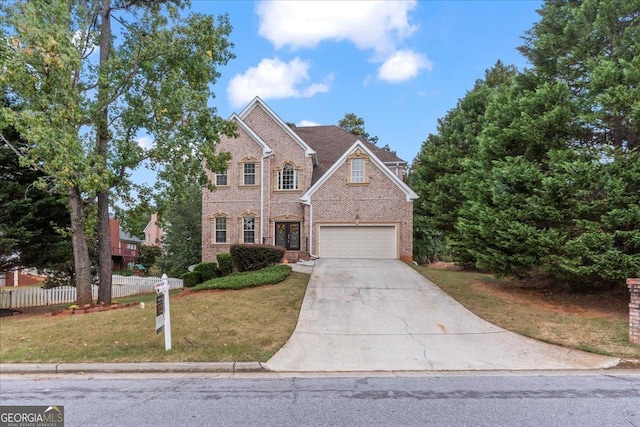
(399,65)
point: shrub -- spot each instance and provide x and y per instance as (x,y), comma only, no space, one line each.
(191,279)
(255,257)
(225,264)
(58,278)
(126,273)
(207,270)
(149,255)
(248,279)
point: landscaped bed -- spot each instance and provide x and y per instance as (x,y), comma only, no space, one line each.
(248,279)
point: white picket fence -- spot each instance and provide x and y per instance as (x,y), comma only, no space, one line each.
(122,287)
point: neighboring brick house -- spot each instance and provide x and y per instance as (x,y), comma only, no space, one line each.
(125,248)
(316,191)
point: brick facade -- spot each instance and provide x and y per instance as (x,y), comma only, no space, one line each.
(634,310)
(377,202)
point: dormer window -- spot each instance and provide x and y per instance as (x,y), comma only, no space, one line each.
(288,178)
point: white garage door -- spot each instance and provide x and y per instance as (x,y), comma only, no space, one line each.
(361,241)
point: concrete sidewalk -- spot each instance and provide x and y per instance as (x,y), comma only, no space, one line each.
(144,367)
(381,315)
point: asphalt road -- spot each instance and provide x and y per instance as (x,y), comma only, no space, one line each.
(604,398)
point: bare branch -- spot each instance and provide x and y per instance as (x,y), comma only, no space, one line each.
(11,146)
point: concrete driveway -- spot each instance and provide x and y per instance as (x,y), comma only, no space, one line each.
(381,315)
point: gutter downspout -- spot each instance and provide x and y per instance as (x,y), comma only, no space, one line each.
(264,156)
(311,254)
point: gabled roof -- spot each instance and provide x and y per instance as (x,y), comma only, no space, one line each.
(411,195)
(331,142)
(152,221)
(259,102)
(265,147)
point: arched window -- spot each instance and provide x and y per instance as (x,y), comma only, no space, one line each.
(288,178)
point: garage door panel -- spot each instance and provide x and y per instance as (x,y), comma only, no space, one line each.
(357,241)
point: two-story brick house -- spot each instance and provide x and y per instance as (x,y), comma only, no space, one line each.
(316,191)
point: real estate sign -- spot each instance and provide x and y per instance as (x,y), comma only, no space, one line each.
(159,313)
(163,313)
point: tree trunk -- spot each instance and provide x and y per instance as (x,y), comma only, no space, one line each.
(104,235)
(104,249)
(82,263)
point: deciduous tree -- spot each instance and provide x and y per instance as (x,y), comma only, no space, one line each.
(83,114)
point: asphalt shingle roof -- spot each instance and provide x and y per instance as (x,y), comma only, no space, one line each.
(126,237)
(331,142)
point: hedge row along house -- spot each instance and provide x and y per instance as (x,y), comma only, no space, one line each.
(315,191)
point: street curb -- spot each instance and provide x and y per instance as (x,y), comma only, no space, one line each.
(150,367)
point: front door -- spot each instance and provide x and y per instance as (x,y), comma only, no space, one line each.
(288,235)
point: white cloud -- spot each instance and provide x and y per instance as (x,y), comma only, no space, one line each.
(403,65)
(274,79)
(305,123)
(145,142)
(377,25)
(314,88)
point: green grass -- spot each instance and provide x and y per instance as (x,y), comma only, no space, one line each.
(252,324)
(607,335)
(243,325)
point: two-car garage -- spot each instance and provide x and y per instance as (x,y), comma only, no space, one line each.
(357,241)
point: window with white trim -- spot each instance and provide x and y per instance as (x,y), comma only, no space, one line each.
(221,179)
(357,170)
(220,229)
(288,178)
(249,174)
(248,229)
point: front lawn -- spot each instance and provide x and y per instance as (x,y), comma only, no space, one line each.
(207,326)
(598,323)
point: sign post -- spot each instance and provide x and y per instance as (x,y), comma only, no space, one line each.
(163,315)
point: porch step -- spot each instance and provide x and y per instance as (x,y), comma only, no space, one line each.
(293,257)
